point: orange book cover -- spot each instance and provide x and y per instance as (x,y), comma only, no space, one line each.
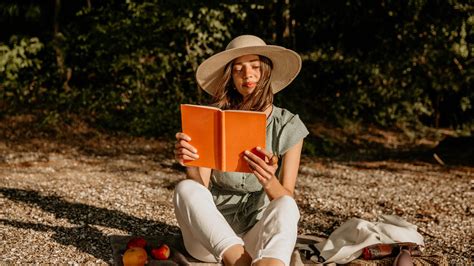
(222,136)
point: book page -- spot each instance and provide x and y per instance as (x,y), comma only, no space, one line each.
(201,123)
(243,131)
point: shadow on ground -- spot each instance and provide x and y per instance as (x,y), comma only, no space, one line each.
(84,217)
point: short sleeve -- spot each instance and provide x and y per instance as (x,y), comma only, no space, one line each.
(292,132)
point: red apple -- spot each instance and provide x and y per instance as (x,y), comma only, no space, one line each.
(137,242)
(161,253)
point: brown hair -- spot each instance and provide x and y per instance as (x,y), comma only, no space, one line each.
(226,97)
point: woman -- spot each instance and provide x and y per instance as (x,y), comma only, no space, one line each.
(244,218)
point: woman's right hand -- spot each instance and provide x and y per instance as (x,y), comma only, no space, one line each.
(183,150)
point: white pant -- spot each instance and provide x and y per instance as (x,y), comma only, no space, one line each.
(207,234)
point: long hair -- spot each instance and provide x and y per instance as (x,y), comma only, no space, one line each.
(227,97)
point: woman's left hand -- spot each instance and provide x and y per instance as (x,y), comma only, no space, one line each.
(264,170)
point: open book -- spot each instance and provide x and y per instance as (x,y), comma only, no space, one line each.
(222,136)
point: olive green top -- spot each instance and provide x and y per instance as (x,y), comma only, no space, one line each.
(239,196)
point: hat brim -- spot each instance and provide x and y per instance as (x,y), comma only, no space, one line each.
(286,66)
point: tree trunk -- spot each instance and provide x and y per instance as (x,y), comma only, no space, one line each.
(283,22)
(292,24)
(437,114)
(57,39)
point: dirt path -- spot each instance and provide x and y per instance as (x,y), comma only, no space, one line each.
(61,198)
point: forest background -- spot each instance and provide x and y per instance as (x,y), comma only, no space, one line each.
(125,66)
(89,105)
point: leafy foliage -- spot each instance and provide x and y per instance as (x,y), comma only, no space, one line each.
(19,67)
(389,62)
(136,64)
(126,65)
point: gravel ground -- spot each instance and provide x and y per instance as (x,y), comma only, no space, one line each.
(61,198)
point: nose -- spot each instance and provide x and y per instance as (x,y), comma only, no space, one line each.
(247,71)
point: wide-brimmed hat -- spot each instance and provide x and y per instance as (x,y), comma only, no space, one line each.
(286,63)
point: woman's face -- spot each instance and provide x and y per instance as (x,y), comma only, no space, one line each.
(246,73)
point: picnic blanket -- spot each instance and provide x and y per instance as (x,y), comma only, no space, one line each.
(179,256)
(305,253)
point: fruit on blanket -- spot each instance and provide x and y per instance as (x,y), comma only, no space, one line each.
(136,242)
(135,256)
(161,253)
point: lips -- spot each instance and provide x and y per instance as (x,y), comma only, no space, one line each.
(249,84)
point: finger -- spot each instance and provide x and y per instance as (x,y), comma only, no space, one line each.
(272,158)
(183,158)
(187,152)
(181,135)
(257,160)
(187,158)
(186,145)
(264,152)
(260,178)
(256,167)
(181,150)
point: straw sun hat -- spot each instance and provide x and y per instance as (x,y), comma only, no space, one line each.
(286,63)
